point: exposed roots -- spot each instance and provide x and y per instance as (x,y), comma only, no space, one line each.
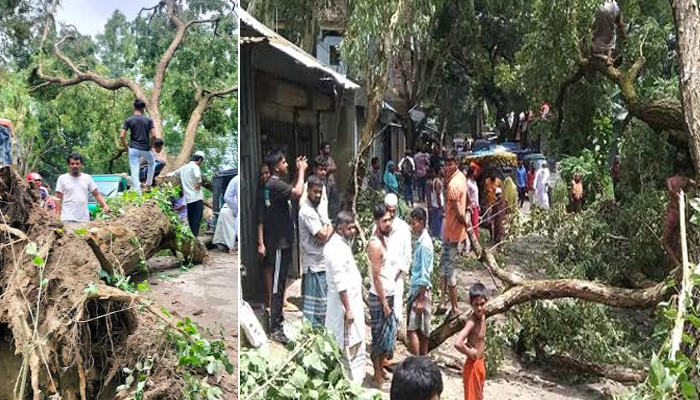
(63,334)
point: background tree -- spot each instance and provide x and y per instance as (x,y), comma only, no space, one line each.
(181,61)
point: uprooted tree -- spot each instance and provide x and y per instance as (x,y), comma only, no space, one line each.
(72,333)
(153,68)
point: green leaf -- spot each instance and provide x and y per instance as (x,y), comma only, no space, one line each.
(695,203)
(165,311)
(288,391)
(144,287)
(92,288)
(689,391)
(312,360)
(44,283)
(38,261)
(80,231)
(299,378)
(32,249)
(688,339)
(656,371)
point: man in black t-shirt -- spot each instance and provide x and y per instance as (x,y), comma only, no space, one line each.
(142,136)
(279,231)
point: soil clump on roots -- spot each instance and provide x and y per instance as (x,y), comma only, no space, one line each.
(64,333)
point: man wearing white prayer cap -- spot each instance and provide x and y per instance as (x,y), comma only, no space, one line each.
(399,251)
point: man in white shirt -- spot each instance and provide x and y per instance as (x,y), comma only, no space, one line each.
(72,191)
(399,249)
(191,183)
(314,231)
(345,313)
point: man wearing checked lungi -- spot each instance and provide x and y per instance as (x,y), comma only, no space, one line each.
(381,294)
(314,231)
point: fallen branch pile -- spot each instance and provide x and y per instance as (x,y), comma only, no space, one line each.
(520,290)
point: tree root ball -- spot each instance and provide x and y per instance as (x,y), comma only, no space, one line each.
(62,331)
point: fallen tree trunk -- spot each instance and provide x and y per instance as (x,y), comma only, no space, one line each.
(523,290)
(615,372)
(125,243)
(73,334)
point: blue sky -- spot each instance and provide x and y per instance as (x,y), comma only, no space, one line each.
(90,16)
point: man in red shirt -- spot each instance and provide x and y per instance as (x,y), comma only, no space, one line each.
(455,226)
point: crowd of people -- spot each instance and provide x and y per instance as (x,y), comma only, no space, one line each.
(445,204)
(147,160)
(397,250)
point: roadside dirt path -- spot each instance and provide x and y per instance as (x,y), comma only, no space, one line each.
(208,295)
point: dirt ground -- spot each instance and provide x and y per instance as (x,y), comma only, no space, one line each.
(515,380)
(208,295)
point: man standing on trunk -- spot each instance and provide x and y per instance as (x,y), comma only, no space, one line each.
(191,182)
(143,135)
(279,231)
(606,25)
(72,192)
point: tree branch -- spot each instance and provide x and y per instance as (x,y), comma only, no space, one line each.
(80,76)
(172,11)
(524,290)
(660,114)
(615,372)
(49,19)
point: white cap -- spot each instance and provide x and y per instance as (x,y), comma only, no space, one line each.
(199,153)
(391,200)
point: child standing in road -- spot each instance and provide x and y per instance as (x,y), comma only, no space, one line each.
(471,342)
